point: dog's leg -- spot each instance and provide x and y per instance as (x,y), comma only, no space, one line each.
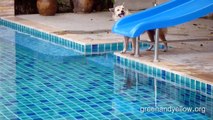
(133,46)
(151,34)
(163,38)
(126,41)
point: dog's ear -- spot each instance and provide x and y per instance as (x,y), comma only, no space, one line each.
(112,10)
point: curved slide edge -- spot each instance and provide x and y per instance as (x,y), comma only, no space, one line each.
(168,14)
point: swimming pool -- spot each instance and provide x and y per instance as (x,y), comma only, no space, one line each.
(40,80)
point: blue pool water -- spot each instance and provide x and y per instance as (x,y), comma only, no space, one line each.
(42,81)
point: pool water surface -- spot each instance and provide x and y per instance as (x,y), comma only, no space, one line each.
(42,81)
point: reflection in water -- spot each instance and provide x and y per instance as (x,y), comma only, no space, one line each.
(153,92)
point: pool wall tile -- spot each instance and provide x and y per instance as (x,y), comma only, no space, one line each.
(78,47)
(107,47)
(41,34)
(150,69)
(208,89)
(192,84)
(168,76)
(198,85)
(184,81)
(172,77)
(114,46)
(101,48)
(177,78)
(203,87)
(163,74)
(120,46)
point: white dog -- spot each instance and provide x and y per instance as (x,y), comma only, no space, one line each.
(119,12)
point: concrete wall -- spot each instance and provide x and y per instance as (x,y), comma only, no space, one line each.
(137,4)
(6,7)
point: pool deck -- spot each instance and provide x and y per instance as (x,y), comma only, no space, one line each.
(188,58)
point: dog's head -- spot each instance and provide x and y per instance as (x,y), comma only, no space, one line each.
(118,12)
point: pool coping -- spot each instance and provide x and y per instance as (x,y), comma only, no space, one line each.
(72,41)
(49,35)
(164,72)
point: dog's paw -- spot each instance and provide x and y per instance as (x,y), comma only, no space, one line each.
(150,48)
(123,52)
(132,53)
(165,49)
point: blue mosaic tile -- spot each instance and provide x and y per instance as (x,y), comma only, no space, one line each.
(178,79)
(209,88)
(101,48)
(145,69)
(187,82)
(203,87)
(120,46)
(163,74)
(192,84)
(43,35)
(150,70)
(114,46)
(118,59)
(198,85)
(182,80)
(107,47)
(137,64)
(61,41)
(159,71)
(133,64)
(126,62)
(82,48)
(172,77)
(94,48)
(88,49)
(154,72)
(168,76)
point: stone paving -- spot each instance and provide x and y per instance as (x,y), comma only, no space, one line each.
(6,7)
(192,58)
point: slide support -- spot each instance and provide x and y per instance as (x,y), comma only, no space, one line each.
(137,49)
(156,59)
(154,18)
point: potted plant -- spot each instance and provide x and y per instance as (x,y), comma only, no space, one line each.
(47,7)
(87,6)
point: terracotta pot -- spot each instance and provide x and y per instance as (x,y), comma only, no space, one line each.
(83,6)
(47,7)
